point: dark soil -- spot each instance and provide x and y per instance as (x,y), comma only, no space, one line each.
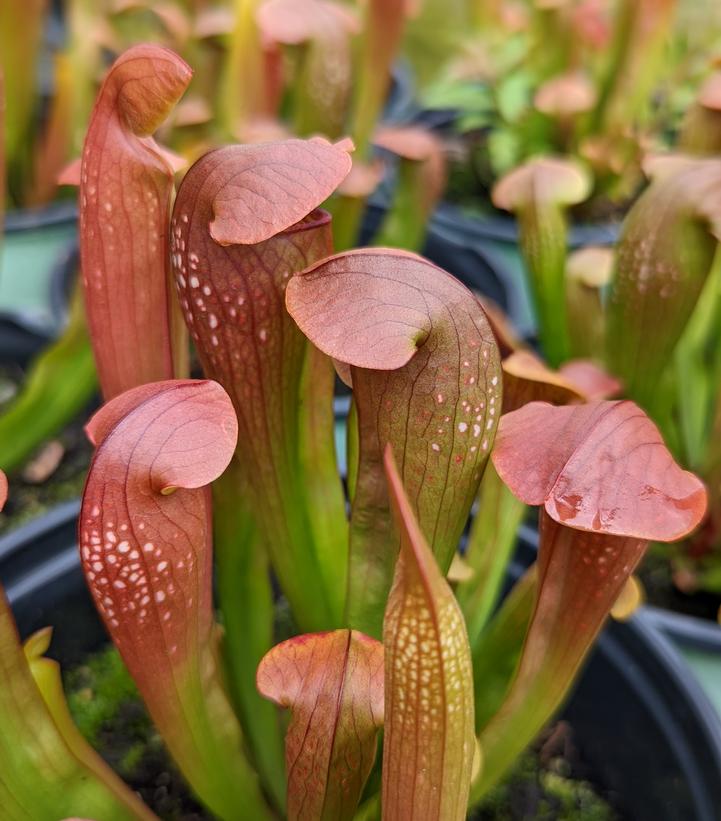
(549,783)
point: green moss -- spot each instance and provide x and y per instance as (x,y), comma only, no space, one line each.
(130,762)
(107,709)
(97,690)
(543,793)
(576,798)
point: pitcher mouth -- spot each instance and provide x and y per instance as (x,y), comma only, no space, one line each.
(316,219)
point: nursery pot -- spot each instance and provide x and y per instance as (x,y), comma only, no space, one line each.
(640,718)
(39,259)
(699,643)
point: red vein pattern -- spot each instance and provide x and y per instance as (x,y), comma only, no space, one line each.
(146,550)
(125,188)
(145,541)
(526,378)
(429,739)
(608,485)
(256,191)
(333,685)
(600,467)
(663,258)
(241,227)
(580,577)
(426,378)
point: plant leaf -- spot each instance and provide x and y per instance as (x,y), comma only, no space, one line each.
(382,33)
(491,541)
(590,379)
(145,541)
(539,192)
(426,378)
(701,127)
(43,778)
(588,272)
(632,596)
(697,366)
(598,467)
(48,769)
(664,257)
(323,74)
(319,466)
(247,88)
(47,678)
(429,741)
(580,576)
(333,685)
(21,29)
(641,31)
(383,25)
(608,485)
(53,148)
(420,183)
(58,386)
(125,190)
(233,299)
(499,513)
(496,651)
(526,378)
(245,598)
(290,22)
(265,189)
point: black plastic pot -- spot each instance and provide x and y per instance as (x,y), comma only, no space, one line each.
(639,717)
(644,723)
(40,571)
(699,643)
(25,331)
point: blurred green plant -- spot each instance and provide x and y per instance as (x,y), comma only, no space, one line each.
(617,81)
(650,311)
(273,313)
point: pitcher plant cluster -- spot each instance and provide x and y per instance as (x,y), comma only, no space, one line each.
(647,309)
(265,70)
(407,692)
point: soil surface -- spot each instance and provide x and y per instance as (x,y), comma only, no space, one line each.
(549,783)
